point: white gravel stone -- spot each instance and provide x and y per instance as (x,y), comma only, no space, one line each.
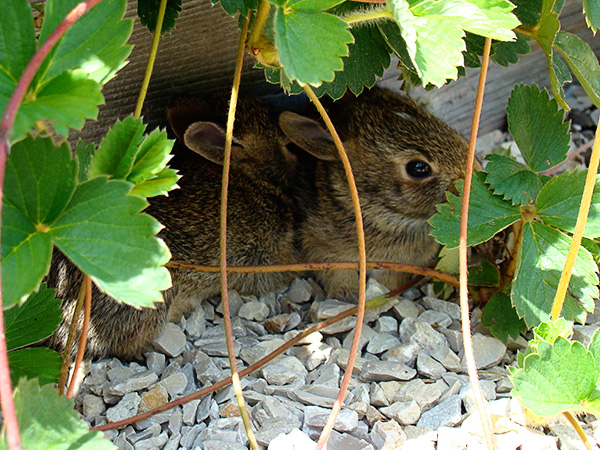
(93,405)
(315,416)
(377,396)
(424,394)
(429,367)
(436,318)
(136,382)
(421,334)
(452,439)
(171,341)
(175,384)
(126,408)
(152,443)
(454,338)
(406,308)
(452,309)
(315,395)
(367,334)
(156,362)
(447,358)
(235,303)
(387,435)
(300,291)
(488,351)
(387,324)
(404,353)
(446,413)
(385,371)
(405,413)
(285,370)
(382,342)
(274,427)
(256,311)
(294,440)
(195,324)
(344,441)
(262,349)
(341,358)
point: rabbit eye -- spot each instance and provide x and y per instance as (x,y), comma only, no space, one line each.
(418,169)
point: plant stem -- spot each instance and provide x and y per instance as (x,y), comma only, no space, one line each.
(362,268)
(235,377)
(260,19)
(151,57)
(463,269)
(87,310)
(578,429)
(584,209)
(365,16)
(337,265)
(8,119)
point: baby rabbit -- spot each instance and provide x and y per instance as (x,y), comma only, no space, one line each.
(260,224)
(404,160)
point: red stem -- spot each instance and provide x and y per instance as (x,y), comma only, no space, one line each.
(8,119)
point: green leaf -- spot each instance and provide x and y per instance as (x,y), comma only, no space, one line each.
(41,363)
(152,156)
(501,318)
(367,60)
(536,123)
(559,201)
(64,102)
(528,11)
(540,263)
(104,234)
(591,9)
(39,184)
(594,349)
(116,154)
(512,180)
(84,156)
(34,320)
(160,184)
(234,6)
(95,44)
(489,18)
(311,5)
(405,20)
(48,421)
(552,329)
(487,274)
(561,378)
(148,14)
(17,40)
(582,61)
(393,37)
(488,214)
(503,53)
(311,45)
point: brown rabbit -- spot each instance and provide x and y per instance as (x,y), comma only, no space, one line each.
(260,224)
(404,160)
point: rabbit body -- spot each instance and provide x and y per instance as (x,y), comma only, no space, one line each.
(260,226)
(404,160)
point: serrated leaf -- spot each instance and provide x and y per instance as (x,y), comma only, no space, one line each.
(436,38)
(48,421)
(116,154)
(152,156)
(503,53)
(232,7)
(512,180)
(538,126)
(40,181)
(552,329)
(561,379)
(17,41)
(148,13)
(34,320)
(39,363)
(311,5)
(487,274)
(104,234)
(278,76)
(64,102)
(405,20)
(84,156)
(528,11)
(393,37)
(489,18)
(160,184)
(311,45)
(594,349)
(95,44)
(559,201)
(593,247)
(501,318)
(559,75)
(582,61)
(591,9)
(367,60)
(540,263)
(488,214)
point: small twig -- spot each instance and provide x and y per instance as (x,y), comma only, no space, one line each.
(8,119)
(337,265)
(584,209)
(235,377)
(68,351)
(578,429)
(151,57)
(463,268)
(373,303)
(362,268)
(87,311)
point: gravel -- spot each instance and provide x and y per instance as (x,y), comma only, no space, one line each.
(409,387)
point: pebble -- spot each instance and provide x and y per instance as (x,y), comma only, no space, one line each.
(127,407)
(446,413)
(171,341)
(429,367)
(381,342)
(255,311)
(488,351)
(376,370)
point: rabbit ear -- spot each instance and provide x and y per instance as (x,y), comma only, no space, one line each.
(309,135)
(208,140)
